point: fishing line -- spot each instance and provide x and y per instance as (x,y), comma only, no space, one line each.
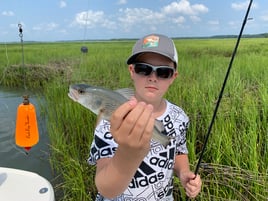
(222,89)
(84,48)
(22,53)
(86,27)
(6,106)
(44,155)
(26,134)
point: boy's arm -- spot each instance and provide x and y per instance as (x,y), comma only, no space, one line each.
(192,183)
(131,127)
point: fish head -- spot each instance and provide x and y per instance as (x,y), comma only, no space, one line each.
(103,102)
(86,95)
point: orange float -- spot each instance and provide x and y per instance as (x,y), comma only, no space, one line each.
(26,135)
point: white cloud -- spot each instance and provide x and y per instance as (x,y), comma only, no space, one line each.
(46,27)
(16,25)
(195,18)
(242,5)
(121,2)
(8,13)
(264,18)
(142,19)
(62,4)
(89,18)
(139,17)
(199,8)
(51,26)
(179,20)
(93,19)
(184,7)
(213,22)
(234,24)
(239,6)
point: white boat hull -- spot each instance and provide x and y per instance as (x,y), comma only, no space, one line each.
(24,185)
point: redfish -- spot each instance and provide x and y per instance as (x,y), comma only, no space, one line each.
(103,102)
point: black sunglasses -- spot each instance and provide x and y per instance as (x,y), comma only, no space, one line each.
(163,72)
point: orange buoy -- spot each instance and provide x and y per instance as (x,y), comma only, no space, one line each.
(26,135)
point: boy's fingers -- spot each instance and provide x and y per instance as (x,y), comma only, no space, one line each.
(121,112)
(141,124)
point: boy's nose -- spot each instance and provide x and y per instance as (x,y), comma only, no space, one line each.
(152,76)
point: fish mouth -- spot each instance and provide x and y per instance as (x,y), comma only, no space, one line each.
(73,94)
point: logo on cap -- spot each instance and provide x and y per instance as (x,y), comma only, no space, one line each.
(150,41)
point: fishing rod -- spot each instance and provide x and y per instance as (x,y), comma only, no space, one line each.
(222,89)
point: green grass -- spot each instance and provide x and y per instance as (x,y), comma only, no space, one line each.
(235,162)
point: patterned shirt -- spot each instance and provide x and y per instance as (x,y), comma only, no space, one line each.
(153,180)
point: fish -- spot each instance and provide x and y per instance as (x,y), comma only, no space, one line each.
(103,102)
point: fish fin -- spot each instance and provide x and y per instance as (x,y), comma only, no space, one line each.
(160,127)
(99,117)
(126,92)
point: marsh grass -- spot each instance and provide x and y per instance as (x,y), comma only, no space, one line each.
(235,162)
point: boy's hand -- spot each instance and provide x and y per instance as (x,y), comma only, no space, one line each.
(192,183)
(131,126)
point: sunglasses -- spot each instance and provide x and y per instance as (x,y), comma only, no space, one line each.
(163,72)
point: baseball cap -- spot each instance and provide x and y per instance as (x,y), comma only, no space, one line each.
(155,43)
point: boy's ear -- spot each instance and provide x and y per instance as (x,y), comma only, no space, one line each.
(176,74)
(131,69)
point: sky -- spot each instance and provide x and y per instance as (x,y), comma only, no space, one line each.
(57,20)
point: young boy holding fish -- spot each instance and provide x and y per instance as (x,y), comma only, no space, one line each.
(130,164)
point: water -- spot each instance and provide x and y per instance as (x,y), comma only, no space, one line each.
(12,156)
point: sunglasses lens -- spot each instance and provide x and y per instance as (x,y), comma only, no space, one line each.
(143,69)
(161,71)
(164,72)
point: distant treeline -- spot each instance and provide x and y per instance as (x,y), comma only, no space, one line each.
(262,35)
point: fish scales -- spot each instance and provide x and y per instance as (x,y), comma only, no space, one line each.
(103,102)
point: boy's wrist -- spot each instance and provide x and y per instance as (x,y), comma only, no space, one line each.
(126,161)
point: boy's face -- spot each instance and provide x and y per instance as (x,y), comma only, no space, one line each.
(151,88)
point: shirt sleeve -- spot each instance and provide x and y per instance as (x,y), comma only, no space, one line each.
(103,144)
(181,123)
(181,146)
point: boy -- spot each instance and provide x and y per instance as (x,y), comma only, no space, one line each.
(131,166)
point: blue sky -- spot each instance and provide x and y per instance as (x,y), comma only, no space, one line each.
(54,20)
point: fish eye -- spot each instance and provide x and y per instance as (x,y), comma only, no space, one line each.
(81,91)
